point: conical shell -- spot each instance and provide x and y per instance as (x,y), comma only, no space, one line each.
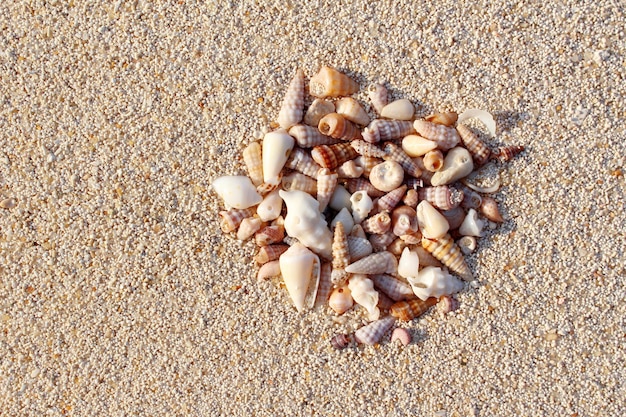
(357,231)
(408,264)
(382,129)
(359,248)
(374,332)
(378,224)
(270,253)
(318,109)
(506,153)
(276,148)
(269,235)
(395,153)
(426,258)
(336,126)
(349,169)
(401,109)
(471,225)
(380,241)
(331,156)
(446,119)
(410,309)
(341,256)
(300,269)
(390,200)
(433,160)
(352,110)
(378,96)
(293,104)
(344,216)
(384,302)
(329,82)
(367,149)
(489,209)
(432,223)
(387,176)
(231,219)
(340,299)
(376,263)
(301,182)
(415,145)
(396,290)
(326,183)
(254,162)
(367,163)
(309,136)
(442,196)
(357,184)
(248,227)
(325,286)
(300,160)
(446,137)
(445,250)
(480,152)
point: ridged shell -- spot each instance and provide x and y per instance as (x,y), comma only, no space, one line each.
(269,235)
(380,241)
(382,129)
(331,156)
(404,220)
(446,119)
(248,227)
(352,110)
(231,219)
(293,104)
(270,253)
(325,286)
(378,96)
(390,200)
(367,149)
(318,109)
(357,184)
(326,183)
(489,209)
(396,290)
(329,82)
(374,332)
(479,151)
(301,182)
(309,136)
(300,160)
(442,196)
(410,309)
(254,162)
(395,153)
(336,126)
(359,248)
(341,256)
(378,224)
(387,176)
(384,302)
(349,169)
(506,153)
(445,250)
(446,137)
(367,163)
(376,263)
(340,341)
(433,160)
(447,304)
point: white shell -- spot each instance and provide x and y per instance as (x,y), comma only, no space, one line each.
(387,176)
(456,165)
(237,191)
(277,146)
(340,198)
(431,222)
(434,282)
(364,294)
(344,217)
(340,300)
(300,269)
(409,263)
(270,207)
(305,223)
(352,110)
(401,109)
(481,115)
(361,205)
(415,145)
(293,105)
(248,227)
(471,225)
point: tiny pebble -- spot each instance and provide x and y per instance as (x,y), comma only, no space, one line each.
(8,203)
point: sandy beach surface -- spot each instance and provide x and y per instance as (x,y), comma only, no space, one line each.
(120,295)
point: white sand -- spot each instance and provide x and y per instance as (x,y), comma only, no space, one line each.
(119,295)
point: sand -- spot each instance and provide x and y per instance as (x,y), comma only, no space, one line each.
(119,294)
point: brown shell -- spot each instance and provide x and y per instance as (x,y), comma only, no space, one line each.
(269,235)
(446,137)
(395,153)
(329,82)
(447,251)
(309,136)
(331,156)
(378,224)
(301,160)
(390,200)
(454,216)
(338,127)
(397,246)
(479,151)
(374,332)
(446,119)
(364,148)
(270,253)
(340,341)
(254,162)
(357,184)
(410,309)
(231,219)
(326,184)
(298,181)
(442,197)
(506,153)
(489,209)
(383,129)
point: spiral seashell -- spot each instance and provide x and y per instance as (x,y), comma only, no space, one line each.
(384,302)
(412,238)
(447,304)
(364,294)
(446,137)
(309,136)
(446,119)
(395,153)
(489,209)
(376,263)
(293,104)
(341,256)
(361,205)
(377,224)
(382,129)
(404,220)
(301,182)
(426,258)
(432,223)
(340,341)
(378,96)
(300,269)
(267,187)
(426,176)
(397,246)
(325,286)
(467,244)
(433,160)
(415,145)
(254,162)
(300,160)
(479,151)
(335,126)
(442,196)
(410,309)
(350,109)
(331,156)
(411,198)
(396,290)
(401,109)
(318,109)
(340,300)
(367,163)
(359,248)
(357,184)
(506,153)
(401,335)
(390,200)
(381,241)
(248,227)
(349,169)
(387,176)
(454,217)
(456,165)
(269,235)
(471,199)
(237,191)
(364,148)
(270,253)
(329,82)
(231,219)
(326,183)
(268,270)
(374,332)
(446,251)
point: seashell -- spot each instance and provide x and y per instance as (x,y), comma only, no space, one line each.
(300,269)
(397,246)
(434,282)
(454,217)
(352,110)
(426,174)
(432,223)
(269,235)
(446,251)
(467,244)
(412,238)
(495,186)
(309,136)
(446,119)
(340,341)
(364,294)
(367,163)
(268,270)
(384,302)
(231,219)
(410,309)
(254,162)
(401,109)
(380,241)
(326,183)
(374,332)
(489,209)
(271,206)
(395,153)
(329,82)
(396,290)
(426,258)
(404,220)
(288,240)
(378,224)
(401,335)
(359,248)
(415,145)
(349,169)
(341,256)
(276,148)
(305,222)
(378,96)
(447,304)
(471,199)
(318,109)
(446,137)
(479,151)
(411,198)
(381,130)
(331,156)
(361,205)
(506,153)
(300,182)
(340,300)
(364,148)
(433,160)
(344,217)
(301,161)
(325,286)
(268,187)
(293,104)
(442,196)
(471,225)
(484,116)
(335,126)
(270,253)
(8,203)
(387,176)
(237,191)
(248,227)
(376,263)
(409,263)
(358,184)
(357,231)
(456,165)
(390,200)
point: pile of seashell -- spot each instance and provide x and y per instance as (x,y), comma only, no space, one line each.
(401,212)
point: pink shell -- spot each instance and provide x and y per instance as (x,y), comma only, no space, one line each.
(402,335)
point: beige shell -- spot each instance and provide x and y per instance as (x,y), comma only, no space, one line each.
(254,162)
(329,82)
(364,148)
(446,251)
(270,253)
(395,153)
(378,224)
(269,235)
(271,206)
(489,209)
(318,109)
(248,227)
(397,246)
(364,294)
(336,126)
(404,220)
(352,110)
(432,223)
(359,248)
(301,182)
(380,241)
(456,165)
(382,129)
(377,263)
(410,309)
(340,299)
(349,169)
(268,270)
(415,145)
(396,289)
(387,176)
(300,160)
(341,256)
(401,109)
(467,244)
(325,286)
(326,183)
(357,184)
(411,198)
(446,119)
(480,152)
(300,268)
(332,156)
(390,200)
(231,219)
(276,148)
(374,332)
(309,136)
(433,160)
(378,96)
(367,163)
(446,137)
(293,103)
(442,197)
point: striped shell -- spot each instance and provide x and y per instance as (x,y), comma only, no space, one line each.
(336,126)
(390,200)
(441,196)
(364,148)
(410,309)
(357,184)
(367,163)
(331,156)
(446,137)
(395,153)
(479,151)
(341,256)
(269,235)
(326,184)
(376,263)
(396,289)
(382,129)
(254,162)
(377,224)
(378,96)
(309,136)
(380,241)
(300,160)
(340,341)
(231,219)
(506,153)
(325,286)
(301,182)
(445,250)
(293,104)
(374,332)
(329,82)
(359,248)
(318,109)
(446,119)
(270,253)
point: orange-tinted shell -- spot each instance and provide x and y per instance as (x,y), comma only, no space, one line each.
(331,156)
(336,126)
(479,151)
(447,251)
(329,82)
(409,309)
(231,219)
(446,119)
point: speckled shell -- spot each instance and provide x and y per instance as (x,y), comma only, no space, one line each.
(293,104)
(300,160)
(390,200)
(341,256)
(254,162)
(396,289)
(326,183)
(267,187)
(378,96)
(381,241)
(479,151)
(382,129)
(340,341)
(446,119)
(410,309)
(269,235)
(301,182)
(318,109)
(445,250)
(374,332)
(367,149)
(309,136)
(325,286)
(376,263)
(442,197)
(357,184)
(378,224)
(352,110)
(489,209)
(506,153)
(446,137)
(331,156)
(336,126)
(329,82)
(270,253)
(231,219)
(359,248)
(395,153)
(433,160)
